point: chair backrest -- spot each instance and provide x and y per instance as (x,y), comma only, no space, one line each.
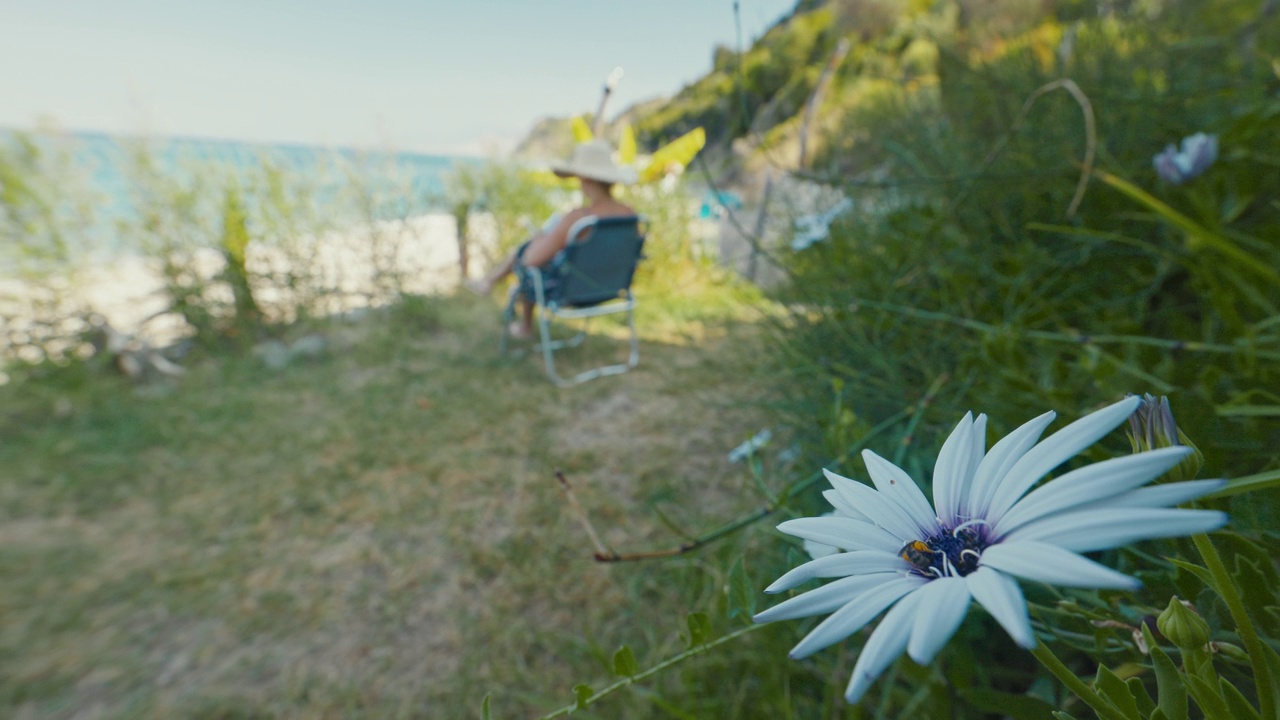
(600,260)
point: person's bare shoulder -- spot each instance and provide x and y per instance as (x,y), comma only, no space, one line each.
(575,215)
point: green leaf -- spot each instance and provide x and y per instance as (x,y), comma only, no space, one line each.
(1200,572)
(1198,236)
(1273,668)
(1247,410)
(1208,698)
(1170,689)
(583,693)
(1019,707)
(1256,593)
(624,662)
(1059,715)
(1250,483)
(1115,691)
(742,600)
(699,628)
(1236,702)
(484,708)
(1236,544)
(1140,695)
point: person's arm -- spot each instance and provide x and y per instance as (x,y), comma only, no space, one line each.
(543,247)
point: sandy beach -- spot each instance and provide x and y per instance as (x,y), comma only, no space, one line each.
(352,268)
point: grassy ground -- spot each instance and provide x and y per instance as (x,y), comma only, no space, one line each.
(377,533)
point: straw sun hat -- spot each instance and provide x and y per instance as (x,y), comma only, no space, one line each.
(594,161)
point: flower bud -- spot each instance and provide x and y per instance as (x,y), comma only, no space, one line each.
(1183,626)
(1152,426)
(1235,652)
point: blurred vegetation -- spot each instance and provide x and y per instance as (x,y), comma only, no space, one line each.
(243,251)
(1012,250)
(973,273)
(44,247)
(314,537)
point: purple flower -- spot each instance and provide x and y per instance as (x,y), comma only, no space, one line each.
(1199,151)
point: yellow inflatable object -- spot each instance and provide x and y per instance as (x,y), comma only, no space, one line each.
(581,130)
(679,152)
(627,146)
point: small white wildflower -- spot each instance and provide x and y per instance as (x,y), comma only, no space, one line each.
(748,448)
(1198,152)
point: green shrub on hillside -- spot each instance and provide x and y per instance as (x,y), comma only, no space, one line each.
(985,244)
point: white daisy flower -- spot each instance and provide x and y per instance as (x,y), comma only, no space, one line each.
(924,563)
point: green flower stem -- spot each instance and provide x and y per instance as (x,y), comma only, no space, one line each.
(1227,589)
(674,660)
(761,513)
(1071,338)
(1075,684)
(1250,483)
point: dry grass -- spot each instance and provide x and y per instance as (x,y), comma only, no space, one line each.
(375,534)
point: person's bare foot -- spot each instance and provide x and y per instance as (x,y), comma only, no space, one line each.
(479,287)
(520,331)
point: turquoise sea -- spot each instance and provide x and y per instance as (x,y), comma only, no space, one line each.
(406,183)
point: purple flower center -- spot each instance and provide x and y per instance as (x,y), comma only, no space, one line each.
(953,552)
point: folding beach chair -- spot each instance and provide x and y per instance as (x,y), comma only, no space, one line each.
(593,279)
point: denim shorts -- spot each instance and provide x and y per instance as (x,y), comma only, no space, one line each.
(550,275)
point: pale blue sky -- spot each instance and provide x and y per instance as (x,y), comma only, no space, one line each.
(427,75)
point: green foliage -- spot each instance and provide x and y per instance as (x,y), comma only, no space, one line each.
(235,243)
(966,262)
(624,662)
(752,90)
(699,628)
(518,199)
(742,594)
(45,216)
(969,276)
(240,251)
(1024,309)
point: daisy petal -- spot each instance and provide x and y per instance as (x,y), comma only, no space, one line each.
(858,562)
(1002,597)
(951,473)
(897,486)
(943,604)
(824,599)
(1055,450)
(844,533)
(1090,483)
(883,512)
(884,646)
(1047,563)
(979,437)
(855,615)
(1098,529)
(995,465)
(1158,496)
(842,506)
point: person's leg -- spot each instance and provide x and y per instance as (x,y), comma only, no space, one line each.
(485,285)
(523,328)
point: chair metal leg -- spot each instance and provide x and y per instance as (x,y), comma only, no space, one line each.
(633,357)
(549,349)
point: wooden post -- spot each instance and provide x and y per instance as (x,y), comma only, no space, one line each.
(820,89)
(815,99)
(461,214)
(609,84)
